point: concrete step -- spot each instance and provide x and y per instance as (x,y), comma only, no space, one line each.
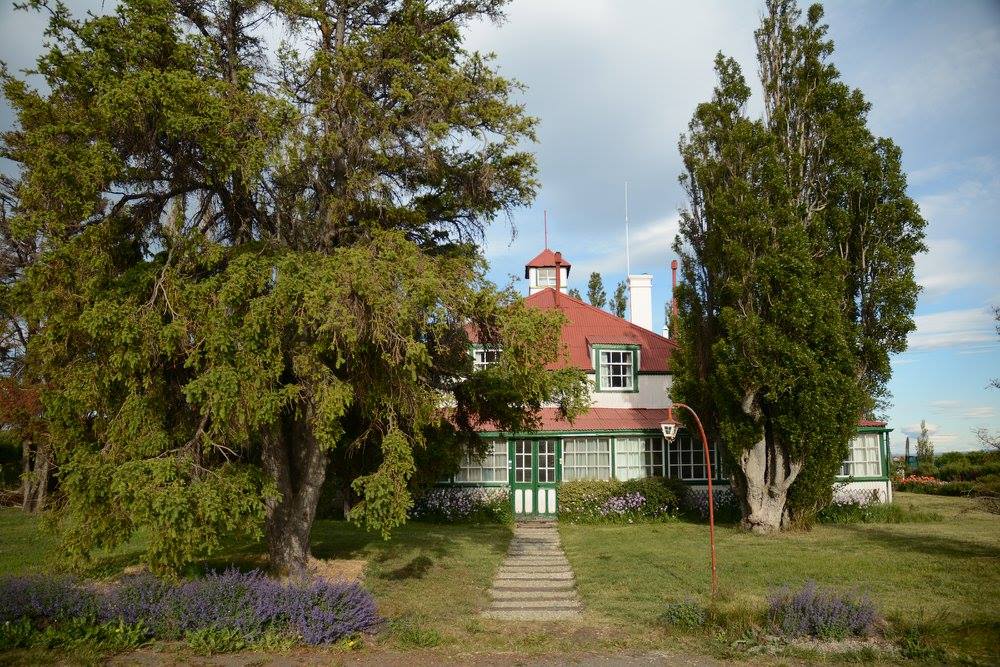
(538,569)
(515,594)
(536,604)
(565,575)
(532,615)
(501,584)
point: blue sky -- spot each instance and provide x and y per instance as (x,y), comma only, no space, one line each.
(615,83)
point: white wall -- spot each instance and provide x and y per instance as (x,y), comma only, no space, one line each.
(652,393)
(533,282)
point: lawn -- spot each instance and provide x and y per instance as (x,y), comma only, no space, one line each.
(431,580)
(944,573)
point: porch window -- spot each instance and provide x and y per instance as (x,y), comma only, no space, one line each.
(863,459)
(616,370)
(686,459)
(586,458)
(484,356)
(492,467)
(545,277)
(638,457)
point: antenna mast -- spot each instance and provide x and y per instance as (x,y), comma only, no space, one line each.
(628,264)
(545,218)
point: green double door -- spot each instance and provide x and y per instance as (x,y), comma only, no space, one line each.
(534,476)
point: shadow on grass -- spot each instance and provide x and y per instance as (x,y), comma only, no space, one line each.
(923,543)
(415,569)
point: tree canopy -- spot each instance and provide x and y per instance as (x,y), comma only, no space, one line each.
(251,256)
(797,248)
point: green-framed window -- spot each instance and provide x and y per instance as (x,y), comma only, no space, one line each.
(491,468)
(483,356)
(686,459)
(639,457)
(864,458)
(586,458)
(616,368)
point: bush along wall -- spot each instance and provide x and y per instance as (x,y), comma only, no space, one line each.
(468,504)
(726,507)
(614,501)
(231,610)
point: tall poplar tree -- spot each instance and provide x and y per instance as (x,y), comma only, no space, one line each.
(250,259)
(595,291)
(797,245)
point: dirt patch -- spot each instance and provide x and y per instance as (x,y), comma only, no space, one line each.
(339,569)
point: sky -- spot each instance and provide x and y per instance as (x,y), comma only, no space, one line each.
(614,85)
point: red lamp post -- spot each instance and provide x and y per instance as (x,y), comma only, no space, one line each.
(669,429)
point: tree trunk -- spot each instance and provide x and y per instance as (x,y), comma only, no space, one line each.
(294,460)
(35,470)
(767,474)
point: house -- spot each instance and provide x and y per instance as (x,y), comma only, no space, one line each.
(628,365)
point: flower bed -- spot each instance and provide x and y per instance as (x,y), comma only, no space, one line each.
(726,505)
(614,501)
(934,486)
(244,606)
(464,504)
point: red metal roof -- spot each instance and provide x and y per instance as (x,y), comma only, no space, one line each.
(547,258)
(870,422)
(587,325)
(600,419)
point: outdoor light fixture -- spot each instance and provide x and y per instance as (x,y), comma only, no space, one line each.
(669,430)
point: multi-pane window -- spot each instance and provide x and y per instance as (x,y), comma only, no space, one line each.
(638,457)
(491,468)
(545,277)
(484,356)
(863,459)
(616,369)
(686,459)
(586,458)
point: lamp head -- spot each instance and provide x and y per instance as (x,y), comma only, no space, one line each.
(669,430)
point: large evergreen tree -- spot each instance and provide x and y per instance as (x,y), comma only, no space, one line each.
(797,245)
(249,259)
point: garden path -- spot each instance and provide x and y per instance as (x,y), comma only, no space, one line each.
(535,581)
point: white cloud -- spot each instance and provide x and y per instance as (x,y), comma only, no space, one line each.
(961,410)
(953,328)
(949,265)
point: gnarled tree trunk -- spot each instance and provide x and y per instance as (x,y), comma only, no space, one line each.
(297,464)
(767,475)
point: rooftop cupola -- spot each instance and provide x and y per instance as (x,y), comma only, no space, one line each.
(548,269)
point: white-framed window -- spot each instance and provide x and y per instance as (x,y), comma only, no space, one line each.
(616,370)
(686,458)
(492,467)
(545,277)
(639,457)
(864,458)
(586,458)
(484,356)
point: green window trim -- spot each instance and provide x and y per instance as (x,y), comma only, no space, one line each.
(596,362)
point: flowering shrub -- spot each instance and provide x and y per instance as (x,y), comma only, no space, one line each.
(247,605)
(614,501)
(816,612)
(932,485)
(726,505)
(464,504)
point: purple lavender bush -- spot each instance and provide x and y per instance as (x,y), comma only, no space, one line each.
(246,605)
(51,598)
(464,504)
(816,612)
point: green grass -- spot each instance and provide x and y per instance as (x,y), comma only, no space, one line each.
(934,575)
(937,579)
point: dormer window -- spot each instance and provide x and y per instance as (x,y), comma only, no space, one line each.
(545,277)
(484,356)
(616,369)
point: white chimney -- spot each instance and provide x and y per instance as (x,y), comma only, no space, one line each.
(640,289)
